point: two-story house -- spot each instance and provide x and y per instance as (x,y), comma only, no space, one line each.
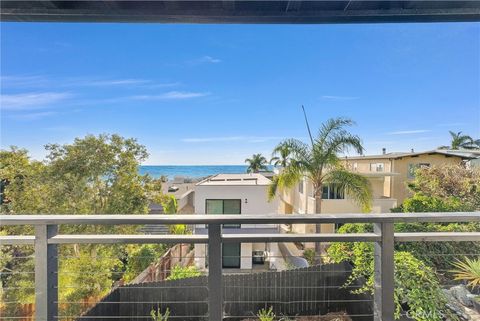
(388,173)
(237,194)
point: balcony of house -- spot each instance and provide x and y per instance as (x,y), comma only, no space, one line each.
(321,290)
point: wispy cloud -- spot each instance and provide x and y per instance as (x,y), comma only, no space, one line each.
(39,81)
(409,132)
(33,115)
(210,59)
(172,95)
(24,81)
(204,60)
(116,82)
(248,139)
(339,97)
(33,100)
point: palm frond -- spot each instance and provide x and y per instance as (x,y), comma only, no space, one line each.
(467,270)
(272,188)
(287,178)
(342,141)
(356,186)
(299,151)
(256,163)
(330,126)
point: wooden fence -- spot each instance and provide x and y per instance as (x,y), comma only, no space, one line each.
(178,254)
(307,291)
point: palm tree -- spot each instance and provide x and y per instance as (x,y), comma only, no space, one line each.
(280,156)
(460,141)
(319,162)
(256,163)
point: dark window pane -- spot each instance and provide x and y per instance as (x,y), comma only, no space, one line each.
(231,255)
(214,207)
(232,207)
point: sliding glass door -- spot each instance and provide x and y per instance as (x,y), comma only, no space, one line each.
(230,252)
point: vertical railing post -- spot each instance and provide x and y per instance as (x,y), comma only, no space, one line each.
(384,303)
(46,276)
(215,282)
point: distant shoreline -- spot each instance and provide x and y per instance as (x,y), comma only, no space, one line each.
(191,171)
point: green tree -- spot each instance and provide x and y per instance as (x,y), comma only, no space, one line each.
(256,164)
(319,163)
(92,175)
(280,156)
(446,188)
(460,141)
(455,186)
(140,257)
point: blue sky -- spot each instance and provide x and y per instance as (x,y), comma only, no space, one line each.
(215,94)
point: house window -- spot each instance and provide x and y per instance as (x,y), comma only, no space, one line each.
(413,167)
(376,167)
(332,192)
(300,187)
(224,207)
(231,251)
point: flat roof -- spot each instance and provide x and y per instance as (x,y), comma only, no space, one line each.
(253,179)
(465,154)
(240,11)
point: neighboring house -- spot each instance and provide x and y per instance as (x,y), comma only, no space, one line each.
(388,174)
(237,194)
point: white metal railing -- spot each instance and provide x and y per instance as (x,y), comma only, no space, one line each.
(46,240)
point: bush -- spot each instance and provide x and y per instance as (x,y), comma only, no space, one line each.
(417,288)
(179,272)
(309,255)
(421,203)
(140,257)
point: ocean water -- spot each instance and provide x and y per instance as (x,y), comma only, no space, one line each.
(191,171)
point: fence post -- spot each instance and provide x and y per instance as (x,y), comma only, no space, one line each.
(384,303)
(46,277)
(215,282)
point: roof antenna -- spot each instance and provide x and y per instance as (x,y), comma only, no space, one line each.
(308,126)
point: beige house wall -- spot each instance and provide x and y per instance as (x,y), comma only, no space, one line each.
(389,186)
(400,166)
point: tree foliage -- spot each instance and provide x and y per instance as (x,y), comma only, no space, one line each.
(461,141)
(456,186)
(320,163)
(92,175)
(280,156)
(446,188)
(256,164)
(417,289)
(179,272)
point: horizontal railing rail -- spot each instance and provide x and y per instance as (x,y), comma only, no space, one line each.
(132,219)
(46,240)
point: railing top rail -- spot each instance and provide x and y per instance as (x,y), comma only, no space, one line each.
(129,219)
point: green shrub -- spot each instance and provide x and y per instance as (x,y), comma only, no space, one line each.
(468,270)
(309,255)
(159,316)
(421,203)
(179,272)
(417,288)
(140,257)
(266,315)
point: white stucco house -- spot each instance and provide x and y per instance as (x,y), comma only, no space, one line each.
(238,194)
